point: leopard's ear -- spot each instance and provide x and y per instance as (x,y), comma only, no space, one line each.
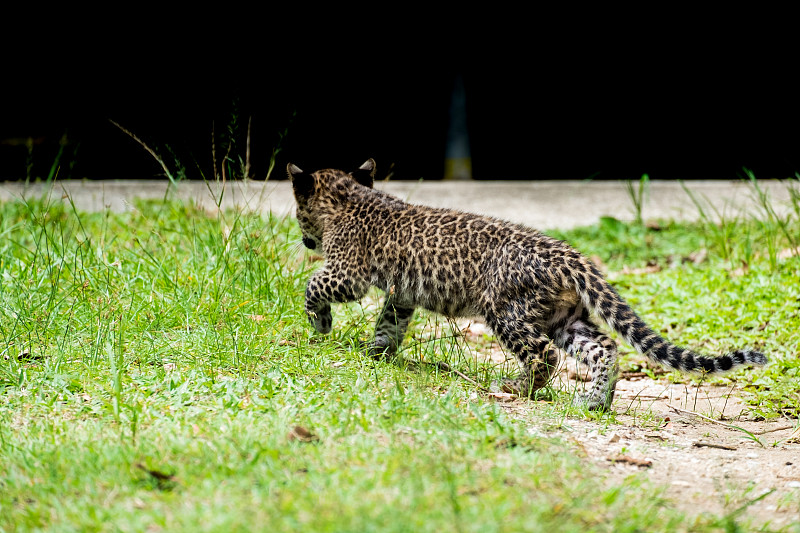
(292,169)
(365,175)
(303,184)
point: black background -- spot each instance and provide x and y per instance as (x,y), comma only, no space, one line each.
(613,103)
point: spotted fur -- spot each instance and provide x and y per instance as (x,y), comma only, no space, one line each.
(535,292)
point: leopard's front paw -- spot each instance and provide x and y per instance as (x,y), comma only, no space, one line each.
(321,320)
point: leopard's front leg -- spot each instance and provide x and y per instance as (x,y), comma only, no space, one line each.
(324,288)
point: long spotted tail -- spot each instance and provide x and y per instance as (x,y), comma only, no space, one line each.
(599,295)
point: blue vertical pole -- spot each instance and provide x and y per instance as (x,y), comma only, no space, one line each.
(458,161)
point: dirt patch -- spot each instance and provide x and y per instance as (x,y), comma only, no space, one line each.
(700,443)
(716,464)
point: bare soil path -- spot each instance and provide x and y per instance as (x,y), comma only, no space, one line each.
(701,444)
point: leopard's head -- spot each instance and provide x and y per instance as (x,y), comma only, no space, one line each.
(315,193)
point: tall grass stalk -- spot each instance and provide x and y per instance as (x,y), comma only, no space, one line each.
(638,196)
(772,223)
(172,178)
(720,228)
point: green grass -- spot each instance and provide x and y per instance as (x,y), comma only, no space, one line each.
(153,365)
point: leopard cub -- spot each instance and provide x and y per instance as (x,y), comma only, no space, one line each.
(535,292)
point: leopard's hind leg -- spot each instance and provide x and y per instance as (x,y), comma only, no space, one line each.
(581,338)
(535,351)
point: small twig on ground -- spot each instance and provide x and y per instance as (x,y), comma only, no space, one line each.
(644,397)
(704,417)
(771,430)
(441,365)
(761,432)
(630,460)
(712,445)
(795,436)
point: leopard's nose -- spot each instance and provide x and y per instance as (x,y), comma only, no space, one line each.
(309,243)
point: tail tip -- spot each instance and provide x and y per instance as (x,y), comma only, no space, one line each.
(748,357)
(756,358)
